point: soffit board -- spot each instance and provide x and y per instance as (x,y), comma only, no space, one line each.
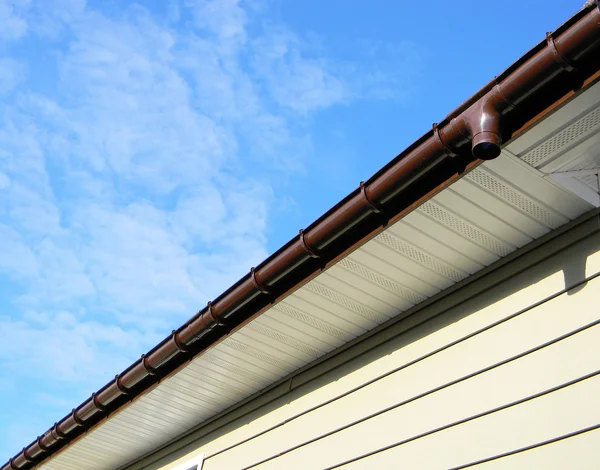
(500,206)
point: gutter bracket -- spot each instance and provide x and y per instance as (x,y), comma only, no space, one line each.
(479,120)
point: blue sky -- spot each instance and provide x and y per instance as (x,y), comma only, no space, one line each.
(151,152)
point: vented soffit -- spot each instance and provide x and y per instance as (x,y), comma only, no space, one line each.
(567,149)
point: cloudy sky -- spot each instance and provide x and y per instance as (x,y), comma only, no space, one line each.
(151,152)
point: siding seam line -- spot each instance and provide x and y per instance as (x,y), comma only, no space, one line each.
(421,358)
(431,391)
(471,418)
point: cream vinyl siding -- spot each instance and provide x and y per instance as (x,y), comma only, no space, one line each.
(509,377)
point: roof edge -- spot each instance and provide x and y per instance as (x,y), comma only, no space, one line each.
(473,132)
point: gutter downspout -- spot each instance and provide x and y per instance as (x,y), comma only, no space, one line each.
(434,160)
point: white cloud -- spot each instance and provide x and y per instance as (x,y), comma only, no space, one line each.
(13,24)
(295,81)
(11,72)
(115,207)
(50,18)
(225,19)
(128,189)
(17,260)
(56,339)
(126,199)
(4,181)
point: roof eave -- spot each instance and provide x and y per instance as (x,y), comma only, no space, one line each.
(565,62)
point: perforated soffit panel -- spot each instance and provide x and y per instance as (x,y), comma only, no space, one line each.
(566,146)
(502,205)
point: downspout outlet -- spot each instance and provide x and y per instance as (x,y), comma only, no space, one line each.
(486,145)
(483,124)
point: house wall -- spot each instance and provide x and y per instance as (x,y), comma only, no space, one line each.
(504,371)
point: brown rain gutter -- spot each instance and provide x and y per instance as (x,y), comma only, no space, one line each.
(567,60)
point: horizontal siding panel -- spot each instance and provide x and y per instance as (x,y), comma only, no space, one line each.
(579,452)
(495,388)
(563,361)
(465,228)
(549,416)
(437,335)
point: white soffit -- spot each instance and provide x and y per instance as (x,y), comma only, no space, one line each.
(499,207)
(565,147)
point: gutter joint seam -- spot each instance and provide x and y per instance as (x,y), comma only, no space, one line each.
(120,387)
(59,434)
(484,120)
(178,344)
(43,447)
(508,104)
(26,455)
(257,284)
(99,406)
(374,207)
(309,251)
(147,367)
(558,57)
(212,315)
(76,419)
(436,134)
